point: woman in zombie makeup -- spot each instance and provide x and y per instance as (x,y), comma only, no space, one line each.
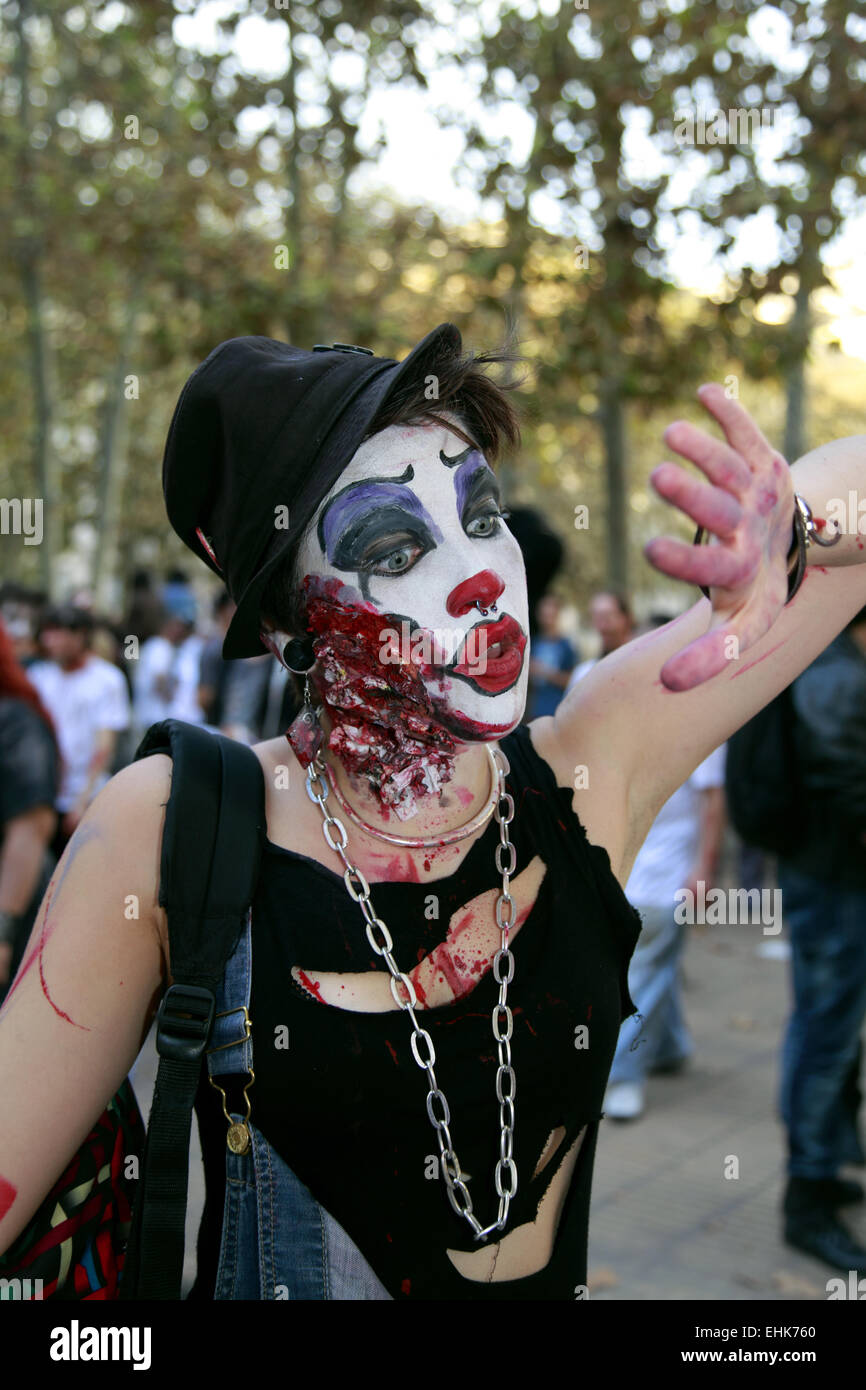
(439,926)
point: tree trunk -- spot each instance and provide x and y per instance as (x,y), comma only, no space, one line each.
(795,376)
(45,472)
(611,416)
(294,221)
(113,466)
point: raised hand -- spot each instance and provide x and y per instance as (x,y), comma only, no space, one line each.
(747,506)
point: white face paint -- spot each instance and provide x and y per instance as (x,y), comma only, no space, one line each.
(412,527)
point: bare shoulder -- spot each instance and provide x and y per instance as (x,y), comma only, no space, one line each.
(128,816)
(273,753)
(286,803)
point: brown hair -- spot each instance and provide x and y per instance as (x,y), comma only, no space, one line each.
(464,389)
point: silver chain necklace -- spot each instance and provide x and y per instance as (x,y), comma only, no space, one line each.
(380,939)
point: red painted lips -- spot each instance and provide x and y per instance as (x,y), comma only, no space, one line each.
(493,655)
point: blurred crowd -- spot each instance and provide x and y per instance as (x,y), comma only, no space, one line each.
(79,689)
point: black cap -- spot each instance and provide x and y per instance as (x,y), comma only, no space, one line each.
(259,436)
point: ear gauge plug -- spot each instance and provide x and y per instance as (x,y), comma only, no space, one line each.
(295,653)
(298,655)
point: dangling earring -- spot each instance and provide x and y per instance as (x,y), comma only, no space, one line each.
(305,734)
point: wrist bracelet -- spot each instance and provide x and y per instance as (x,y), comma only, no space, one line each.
(804,533)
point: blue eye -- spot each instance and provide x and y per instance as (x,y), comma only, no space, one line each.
(486,524)
(397,561)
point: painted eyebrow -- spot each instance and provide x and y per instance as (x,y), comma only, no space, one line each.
(475,478)
(368,495)
(451,461)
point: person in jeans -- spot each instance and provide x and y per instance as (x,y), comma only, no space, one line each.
(824,899)
(553,659)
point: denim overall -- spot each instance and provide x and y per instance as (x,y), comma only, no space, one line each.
(277,1241)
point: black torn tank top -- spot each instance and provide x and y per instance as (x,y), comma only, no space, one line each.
(344,1102)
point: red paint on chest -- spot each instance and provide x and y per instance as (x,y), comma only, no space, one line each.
(8,1193)
(390,1048)
(311,985)
(400,870)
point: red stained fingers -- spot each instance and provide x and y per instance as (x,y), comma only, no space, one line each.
(740,429)
(717,460)
(712,566)
(714,508)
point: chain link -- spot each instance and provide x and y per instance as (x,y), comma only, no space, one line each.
(421,1042)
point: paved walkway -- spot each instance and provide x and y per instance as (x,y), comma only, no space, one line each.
(666,1223)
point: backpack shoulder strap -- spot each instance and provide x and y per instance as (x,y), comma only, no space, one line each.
(211,845)
(211,853)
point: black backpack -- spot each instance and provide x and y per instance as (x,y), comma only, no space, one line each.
(766,804)
(211,852)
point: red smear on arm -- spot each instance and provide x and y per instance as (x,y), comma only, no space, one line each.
(758,659)
(59,1012)
(8,1193)
(36,954)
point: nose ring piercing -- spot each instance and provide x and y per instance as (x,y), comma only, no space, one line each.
(484,611)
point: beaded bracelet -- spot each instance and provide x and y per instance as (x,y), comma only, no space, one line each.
(805,532)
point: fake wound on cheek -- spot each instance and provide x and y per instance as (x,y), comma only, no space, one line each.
(384,726)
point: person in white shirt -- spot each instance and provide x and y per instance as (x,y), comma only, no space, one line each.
(166,681)
(88,701)
(681,849)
